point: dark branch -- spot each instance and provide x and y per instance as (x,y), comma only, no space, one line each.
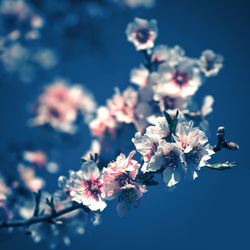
(148,59)
(43,218)
(222,143)
(37,200)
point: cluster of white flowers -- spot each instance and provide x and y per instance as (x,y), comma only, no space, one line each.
(176,153)
(166,81)
(170,145)
(91,186)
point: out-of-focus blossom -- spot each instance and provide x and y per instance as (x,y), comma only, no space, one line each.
(120,109)
(130,196)
(142,112)
(123,106)
(29,179)
(163,53)
(52,167)
(193,143)
(135,3)
(96,219)
(85,186)
(60,104)
(139,76)
(210,63)
(207,106)
(25,63)
(37,158)
(45,58)
(5,192)
(142,33)
(103,123)
(26,16)
(182,80)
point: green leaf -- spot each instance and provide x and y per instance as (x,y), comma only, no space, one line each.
(222,166)
(168,118)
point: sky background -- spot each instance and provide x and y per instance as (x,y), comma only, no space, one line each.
(214,211)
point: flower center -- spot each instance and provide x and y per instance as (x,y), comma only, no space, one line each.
(209,64)
(129,195)
(123,180)
(94,188)
(142,35)
(181,78)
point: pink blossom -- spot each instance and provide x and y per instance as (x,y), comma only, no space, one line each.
(37,158)
(103,123)
(119,179)
(27,175)
(85,186)
(123,106)
(59,105)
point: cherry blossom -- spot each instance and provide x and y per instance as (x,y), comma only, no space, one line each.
(163,54)
(139,76)
(119,173)
(29,178)
(122,106)
(59,105)
(210,63)
(85,186)
(103,123)
(142,33)
(193,143)
(182,80)
(37,158)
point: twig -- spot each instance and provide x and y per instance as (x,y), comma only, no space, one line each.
(148,59)
(222,143)
(43,218)
(37,200)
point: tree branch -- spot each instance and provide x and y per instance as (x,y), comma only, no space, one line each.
(42,218)
(222,143)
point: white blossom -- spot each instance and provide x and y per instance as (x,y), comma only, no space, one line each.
(210,63)
(142,33)
(85,186)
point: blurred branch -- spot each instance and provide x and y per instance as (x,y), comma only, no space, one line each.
(43,218)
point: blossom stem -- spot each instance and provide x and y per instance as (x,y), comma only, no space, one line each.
(148,59)
(43,218)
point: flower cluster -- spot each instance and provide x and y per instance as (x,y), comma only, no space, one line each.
(60,105)
(91,186)
(156,119)
(166,81)
(175,154)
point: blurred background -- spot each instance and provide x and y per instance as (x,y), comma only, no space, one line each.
(85,42)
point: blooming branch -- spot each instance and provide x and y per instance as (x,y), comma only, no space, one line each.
(43,218)
(157,121)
